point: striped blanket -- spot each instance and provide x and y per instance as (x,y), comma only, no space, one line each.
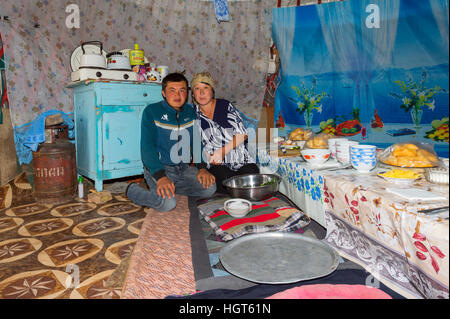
(272,214)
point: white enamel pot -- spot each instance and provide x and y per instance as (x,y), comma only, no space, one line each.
(117,61)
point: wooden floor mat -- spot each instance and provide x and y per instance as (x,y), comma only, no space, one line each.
(161,263)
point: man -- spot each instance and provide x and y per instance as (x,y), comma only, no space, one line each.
(168,129)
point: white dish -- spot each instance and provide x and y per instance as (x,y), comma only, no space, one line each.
(437,175)
(237,207)
(75,58)
(290,147)
(402,181)
(316,156)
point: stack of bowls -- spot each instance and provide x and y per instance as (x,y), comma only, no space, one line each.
(332,145)
(343,150)
(363,157)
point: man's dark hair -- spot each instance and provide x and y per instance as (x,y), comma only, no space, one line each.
(174,77)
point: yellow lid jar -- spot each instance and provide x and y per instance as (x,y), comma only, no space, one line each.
(136,56)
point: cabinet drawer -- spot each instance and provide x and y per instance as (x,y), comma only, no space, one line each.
(129,95)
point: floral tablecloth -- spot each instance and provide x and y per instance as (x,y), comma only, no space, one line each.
(373,227)
(299,182)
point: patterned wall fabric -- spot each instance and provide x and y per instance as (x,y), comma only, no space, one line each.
(182,34)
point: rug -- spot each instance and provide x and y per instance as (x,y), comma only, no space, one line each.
(161,263)
(63,251)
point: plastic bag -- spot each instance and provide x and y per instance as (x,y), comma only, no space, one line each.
(410,154)
(318,141)
(300,134)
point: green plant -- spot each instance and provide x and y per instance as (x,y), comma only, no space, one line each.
(415,94)
(308,99)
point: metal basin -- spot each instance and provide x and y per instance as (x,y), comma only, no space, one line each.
(248,186)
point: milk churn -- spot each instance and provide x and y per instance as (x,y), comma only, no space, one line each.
(55,173)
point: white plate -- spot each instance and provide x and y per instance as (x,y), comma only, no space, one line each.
(398,180)
(290,147)
(75,58)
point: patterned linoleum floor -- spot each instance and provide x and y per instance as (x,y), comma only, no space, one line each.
(70,250)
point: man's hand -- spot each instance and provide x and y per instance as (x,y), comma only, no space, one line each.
(205,178)
(165,186)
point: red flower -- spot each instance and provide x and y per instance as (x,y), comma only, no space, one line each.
(354,210)
(354,203)
(346,198)
(364,199)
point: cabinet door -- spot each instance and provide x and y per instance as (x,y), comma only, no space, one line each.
(121,138)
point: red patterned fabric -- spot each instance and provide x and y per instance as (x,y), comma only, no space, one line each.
(161,263)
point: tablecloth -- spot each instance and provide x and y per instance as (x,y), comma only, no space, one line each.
(371,226)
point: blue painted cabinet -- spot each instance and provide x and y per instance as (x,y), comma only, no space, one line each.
(108,128)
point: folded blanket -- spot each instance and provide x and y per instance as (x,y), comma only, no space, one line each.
(265,216)
(28,137)
(327,291)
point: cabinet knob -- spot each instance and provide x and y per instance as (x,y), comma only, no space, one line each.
(126,76)
(98,74)
(145,94)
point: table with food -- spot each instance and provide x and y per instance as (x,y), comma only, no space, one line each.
(385,209)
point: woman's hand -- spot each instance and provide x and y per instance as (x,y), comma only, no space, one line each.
(205,178)
(165,186)
(216,158)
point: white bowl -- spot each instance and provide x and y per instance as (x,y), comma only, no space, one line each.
(237,207)
(363,165)
(316,156)
(332,145)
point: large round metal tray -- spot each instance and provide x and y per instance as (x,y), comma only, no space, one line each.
(278,258)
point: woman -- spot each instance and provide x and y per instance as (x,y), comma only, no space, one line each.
(224,136)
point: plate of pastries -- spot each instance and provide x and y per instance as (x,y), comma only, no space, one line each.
(300,134)
(409,155)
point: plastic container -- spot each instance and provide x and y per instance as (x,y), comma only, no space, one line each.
(80,187)
(136,56)
(438,175)
(412,154)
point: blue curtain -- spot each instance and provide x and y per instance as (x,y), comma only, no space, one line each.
(283,35)
(370,58)
(363,48)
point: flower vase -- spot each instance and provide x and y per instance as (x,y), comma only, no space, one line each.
(416,115)
(308,118)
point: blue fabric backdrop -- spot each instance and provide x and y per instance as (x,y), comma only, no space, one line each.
(383,63)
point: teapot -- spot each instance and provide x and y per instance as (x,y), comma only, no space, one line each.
(92,60)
